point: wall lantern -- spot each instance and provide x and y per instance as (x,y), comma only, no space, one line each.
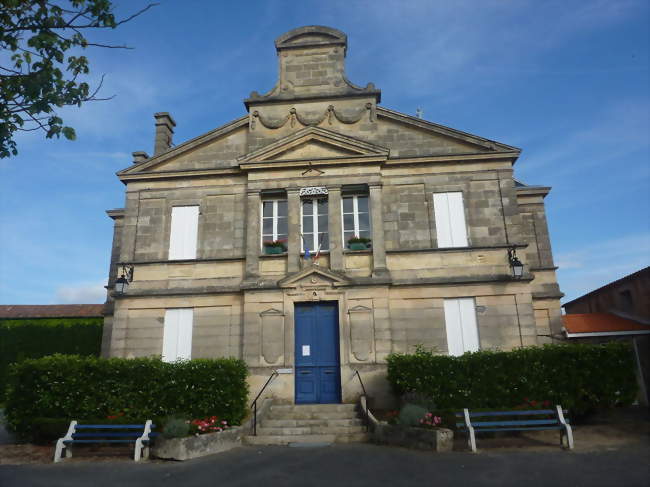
(515,264)
(122,282)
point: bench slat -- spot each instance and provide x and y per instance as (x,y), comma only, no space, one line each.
(102,441)
(528,412)
(515,423)
(112,426)
(536,428)
(103,434)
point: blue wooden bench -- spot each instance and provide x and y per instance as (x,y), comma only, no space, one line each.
(491,421)
(140,434)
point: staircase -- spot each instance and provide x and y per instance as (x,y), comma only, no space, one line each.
(310,423)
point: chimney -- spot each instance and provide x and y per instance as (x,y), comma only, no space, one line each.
(164,131)
(139,156)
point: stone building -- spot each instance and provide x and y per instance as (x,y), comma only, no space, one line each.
(311,164)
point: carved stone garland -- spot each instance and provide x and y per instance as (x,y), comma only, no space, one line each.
(293,116)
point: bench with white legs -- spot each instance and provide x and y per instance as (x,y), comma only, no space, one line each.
(492,421)
(140,434)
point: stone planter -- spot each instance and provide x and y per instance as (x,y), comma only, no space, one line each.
(197,446)
(438,440)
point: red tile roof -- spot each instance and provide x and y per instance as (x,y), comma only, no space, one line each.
(14,311)
(601,323)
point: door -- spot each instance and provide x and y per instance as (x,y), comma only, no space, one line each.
(318,374)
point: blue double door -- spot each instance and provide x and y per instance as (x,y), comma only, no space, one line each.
(318,373)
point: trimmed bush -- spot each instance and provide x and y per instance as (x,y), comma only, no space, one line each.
(90,388)
(34,338)
(579,377)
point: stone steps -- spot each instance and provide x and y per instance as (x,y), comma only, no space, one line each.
(293,423)
(318,408)
(295,415)
(310,430)
(310,423)
(294,439)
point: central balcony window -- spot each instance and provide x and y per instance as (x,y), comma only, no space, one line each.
(314,225)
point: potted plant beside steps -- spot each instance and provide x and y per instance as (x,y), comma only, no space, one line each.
(274,247)
(359,243)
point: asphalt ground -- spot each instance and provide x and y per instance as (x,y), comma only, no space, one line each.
(355,465)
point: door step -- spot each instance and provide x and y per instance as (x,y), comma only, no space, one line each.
(308,439)
(309,424)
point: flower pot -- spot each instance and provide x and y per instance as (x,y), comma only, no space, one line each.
(273,250)
(358,246)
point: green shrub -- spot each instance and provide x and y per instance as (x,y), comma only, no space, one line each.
(411,414)
(34,338)
(87,388)
(176,428)
(579,377)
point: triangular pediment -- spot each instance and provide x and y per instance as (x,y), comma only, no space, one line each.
(314,276)
(198,153)
(408,131)
(314,143)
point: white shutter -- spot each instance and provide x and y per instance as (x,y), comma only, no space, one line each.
(177,334)
(453,327)
(457,219)
(460,323)
(449,214)
(183,233)
(468,324)
(170,335)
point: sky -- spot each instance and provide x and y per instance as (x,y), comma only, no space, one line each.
(566,81)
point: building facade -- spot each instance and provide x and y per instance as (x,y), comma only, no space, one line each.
(313,163)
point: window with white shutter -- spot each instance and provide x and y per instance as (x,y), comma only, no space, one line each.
(183,233)
(460,323)
(177,334)
(449,214)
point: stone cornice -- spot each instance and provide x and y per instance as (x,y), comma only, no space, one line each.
(447,158)
(116,213)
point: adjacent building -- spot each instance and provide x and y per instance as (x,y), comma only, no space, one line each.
(320,232)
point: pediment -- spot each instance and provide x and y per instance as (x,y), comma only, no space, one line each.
(314,143)
(407,132)
(216,149)
(314,276)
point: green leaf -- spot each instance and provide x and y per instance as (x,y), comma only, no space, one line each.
(69,133)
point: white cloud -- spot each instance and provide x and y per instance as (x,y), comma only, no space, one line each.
(81,293)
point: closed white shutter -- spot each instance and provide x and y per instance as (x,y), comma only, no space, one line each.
(460,323)
(177,334)
(183,233)
(449,214)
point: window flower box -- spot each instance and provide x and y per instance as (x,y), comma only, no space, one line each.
(359,243)
(274,247)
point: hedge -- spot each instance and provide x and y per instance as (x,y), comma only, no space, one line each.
(34,338)
(89,388)
(579,377)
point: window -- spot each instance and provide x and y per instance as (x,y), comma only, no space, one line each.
(177,334)
(449,214)
(314,227)
(274,220)
(183,233)
(356,217)
(460,323)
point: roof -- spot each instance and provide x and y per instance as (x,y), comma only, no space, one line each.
(629,276)
(601,324)
(14,311)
